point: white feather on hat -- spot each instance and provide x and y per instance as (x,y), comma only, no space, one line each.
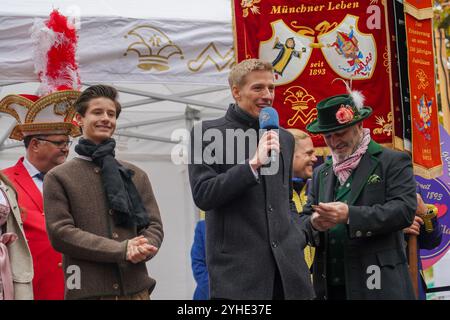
(356,95)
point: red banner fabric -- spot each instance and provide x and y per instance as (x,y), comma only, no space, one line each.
(312,42)
(424,110)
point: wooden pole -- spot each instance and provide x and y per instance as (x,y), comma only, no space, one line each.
(413,263)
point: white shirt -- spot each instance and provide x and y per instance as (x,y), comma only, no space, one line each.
(32,171)
(255,173)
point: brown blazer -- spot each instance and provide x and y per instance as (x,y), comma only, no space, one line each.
(81,227)
(19,252)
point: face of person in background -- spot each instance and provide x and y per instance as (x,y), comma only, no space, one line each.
(49,150)
(304,158)
(99,120)
(344,142)
(257,92)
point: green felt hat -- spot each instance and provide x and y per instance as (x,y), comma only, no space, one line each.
(337,112)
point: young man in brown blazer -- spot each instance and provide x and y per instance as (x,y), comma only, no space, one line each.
(101,213)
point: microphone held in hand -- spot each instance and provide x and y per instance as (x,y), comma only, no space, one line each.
(268,120)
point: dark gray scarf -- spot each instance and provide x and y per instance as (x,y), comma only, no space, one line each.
(121,192)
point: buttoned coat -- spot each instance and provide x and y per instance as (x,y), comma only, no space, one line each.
(382,203)
(48,280)
(251,225)
(19,252)
(81,226)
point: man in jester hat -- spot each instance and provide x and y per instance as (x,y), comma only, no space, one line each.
(44,124)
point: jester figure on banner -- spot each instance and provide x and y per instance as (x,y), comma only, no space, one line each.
(287,51)
(423,124)
(347,46)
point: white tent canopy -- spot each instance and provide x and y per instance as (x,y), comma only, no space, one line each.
(197,10)
(156,48)
(156,101)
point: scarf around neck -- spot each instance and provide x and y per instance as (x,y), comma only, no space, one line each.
(121,193)
(244,115)
(344,169)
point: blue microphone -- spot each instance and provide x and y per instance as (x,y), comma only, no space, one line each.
(268,119)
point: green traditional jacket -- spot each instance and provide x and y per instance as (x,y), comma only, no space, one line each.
(382,201)
(337,236)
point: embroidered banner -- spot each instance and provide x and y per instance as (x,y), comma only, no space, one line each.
(397,83)
(399,58)
(424,109)
(310,43)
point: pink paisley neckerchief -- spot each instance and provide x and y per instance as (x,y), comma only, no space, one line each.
(6,281)
(344,169)
(5,266)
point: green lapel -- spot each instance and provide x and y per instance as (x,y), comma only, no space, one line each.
(366,167)
(327,182)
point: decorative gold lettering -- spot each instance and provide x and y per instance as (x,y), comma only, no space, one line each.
(296,9)
(421,62)
(317,69)
(276,10)
(342,5)
(318,64)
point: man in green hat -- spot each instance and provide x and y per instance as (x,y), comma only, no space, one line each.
(360,200)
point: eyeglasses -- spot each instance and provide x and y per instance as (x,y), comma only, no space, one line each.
(58,144)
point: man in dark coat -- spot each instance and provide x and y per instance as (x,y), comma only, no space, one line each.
(361,199)
(254,237)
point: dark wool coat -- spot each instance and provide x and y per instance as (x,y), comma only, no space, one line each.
(251,226)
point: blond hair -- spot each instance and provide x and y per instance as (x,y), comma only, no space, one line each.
(298,136)
(243,68)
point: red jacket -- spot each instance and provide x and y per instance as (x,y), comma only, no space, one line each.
(48,281)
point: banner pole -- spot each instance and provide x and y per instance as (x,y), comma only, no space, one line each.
(413,263)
